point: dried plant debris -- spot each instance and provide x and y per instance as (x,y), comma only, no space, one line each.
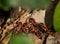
(39,16)
(21,20)
(58,36)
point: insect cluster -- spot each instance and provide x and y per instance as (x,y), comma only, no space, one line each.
(23,23)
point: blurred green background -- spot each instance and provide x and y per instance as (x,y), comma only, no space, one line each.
(33,4)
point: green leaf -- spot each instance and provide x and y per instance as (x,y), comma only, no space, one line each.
(57,17)
(21,39)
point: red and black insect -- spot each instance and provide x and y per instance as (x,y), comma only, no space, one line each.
(32,27)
